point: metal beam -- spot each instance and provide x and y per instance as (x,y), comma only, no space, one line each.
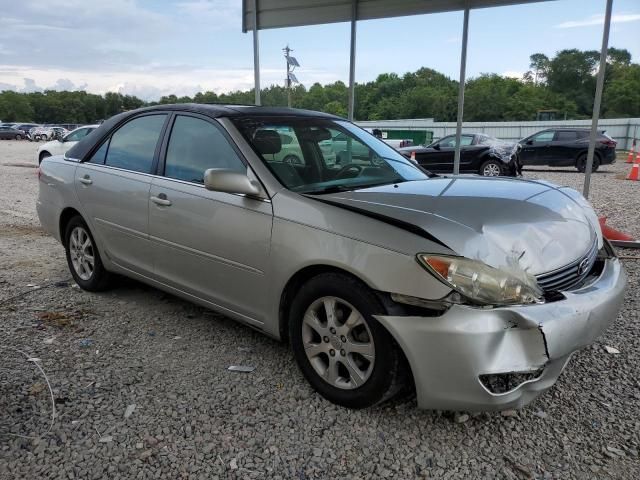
(295,13)
(256,53)
(352,60)
(463,73)
(597,100)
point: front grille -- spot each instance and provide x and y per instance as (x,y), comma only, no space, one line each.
(570,275)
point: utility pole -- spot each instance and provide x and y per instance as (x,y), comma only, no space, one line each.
(292,63)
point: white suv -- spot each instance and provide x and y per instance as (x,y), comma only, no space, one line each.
(59,147)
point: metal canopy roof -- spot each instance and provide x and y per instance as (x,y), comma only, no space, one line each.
(295,13)
(262,14)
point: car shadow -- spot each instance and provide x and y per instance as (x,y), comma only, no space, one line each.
(561,170)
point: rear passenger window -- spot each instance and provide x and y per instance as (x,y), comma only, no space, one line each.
(133,146)
(566,136)
(196,145)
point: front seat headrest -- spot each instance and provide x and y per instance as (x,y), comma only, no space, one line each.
(267,142)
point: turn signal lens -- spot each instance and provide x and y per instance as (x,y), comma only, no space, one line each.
(481,283)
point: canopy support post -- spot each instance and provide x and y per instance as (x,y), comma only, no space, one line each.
(256,53)
(352,60)
(463,70)
(597,100)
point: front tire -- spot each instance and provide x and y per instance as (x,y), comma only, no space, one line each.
(83,257)
(18,137)
(491,168)
(343,352)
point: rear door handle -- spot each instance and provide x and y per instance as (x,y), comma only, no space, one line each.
(86,180)
(162,200)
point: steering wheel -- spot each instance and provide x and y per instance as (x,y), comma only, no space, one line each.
(351,166)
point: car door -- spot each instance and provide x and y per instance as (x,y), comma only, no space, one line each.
(442,158)
(561,150)
(536,150)
(113,189)
(212,245)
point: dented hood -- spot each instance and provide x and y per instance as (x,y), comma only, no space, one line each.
(502,222)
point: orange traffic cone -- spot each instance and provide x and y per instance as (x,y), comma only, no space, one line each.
(630,156)
(611,233)
(633,174)
(638,157)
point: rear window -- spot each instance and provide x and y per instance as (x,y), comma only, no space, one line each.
(566,136)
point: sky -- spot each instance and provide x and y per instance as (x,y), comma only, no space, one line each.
(151,48)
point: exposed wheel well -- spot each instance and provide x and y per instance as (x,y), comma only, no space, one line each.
(294,284)
(66,215)
(44,154)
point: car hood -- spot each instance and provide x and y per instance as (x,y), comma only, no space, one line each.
(505,223)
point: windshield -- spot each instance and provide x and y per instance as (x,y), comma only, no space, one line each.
(316,155)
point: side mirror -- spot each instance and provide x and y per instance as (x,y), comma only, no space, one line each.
(60,136)
(436,146)
(230,181)
(529,142)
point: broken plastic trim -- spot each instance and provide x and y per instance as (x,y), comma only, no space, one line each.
(421,302)
(501,383)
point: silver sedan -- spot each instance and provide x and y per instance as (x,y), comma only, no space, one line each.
(380,275)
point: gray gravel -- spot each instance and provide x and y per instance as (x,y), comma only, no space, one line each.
(163,361)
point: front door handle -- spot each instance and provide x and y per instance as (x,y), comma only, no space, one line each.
(86,180)
(162,200)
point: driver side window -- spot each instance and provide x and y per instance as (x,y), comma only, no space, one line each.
(77,135)
(450,142)
(543,137)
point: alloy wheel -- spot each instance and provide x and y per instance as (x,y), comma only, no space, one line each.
(491,170)
(82,253)
(338,343)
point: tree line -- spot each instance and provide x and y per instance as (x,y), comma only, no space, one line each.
(565,83)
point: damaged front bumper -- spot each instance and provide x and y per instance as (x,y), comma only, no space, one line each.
(497,358)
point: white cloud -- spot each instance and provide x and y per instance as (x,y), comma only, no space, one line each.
(513,74)
(599,20)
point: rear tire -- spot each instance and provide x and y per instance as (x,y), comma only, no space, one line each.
(581,163)
(83,257)
(344,353)
(18,137)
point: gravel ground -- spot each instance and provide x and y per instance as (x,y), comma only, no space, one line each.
(142,390)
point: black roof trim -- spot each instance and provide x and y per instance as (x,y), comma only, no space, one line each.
(85,146)
(216,110)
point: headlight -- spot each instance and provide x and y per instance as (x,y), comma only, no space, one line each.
(481,283)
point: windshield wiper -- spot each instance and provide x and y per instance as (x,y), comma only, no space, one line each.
(349,188)
(331,189)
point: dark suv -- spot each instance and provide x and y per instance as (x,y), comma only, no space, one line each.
(566,147)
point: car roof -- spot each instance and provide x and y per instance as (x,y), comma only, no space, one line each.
(569,129)
(84,146)
(216,110)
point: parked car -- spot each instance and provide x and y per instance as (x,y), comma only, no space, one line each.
(46,133)
(63,143)
(476,290)
(25,127)
(291,151)
(479,153)
(10,133)
(567,147)
(397,144)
